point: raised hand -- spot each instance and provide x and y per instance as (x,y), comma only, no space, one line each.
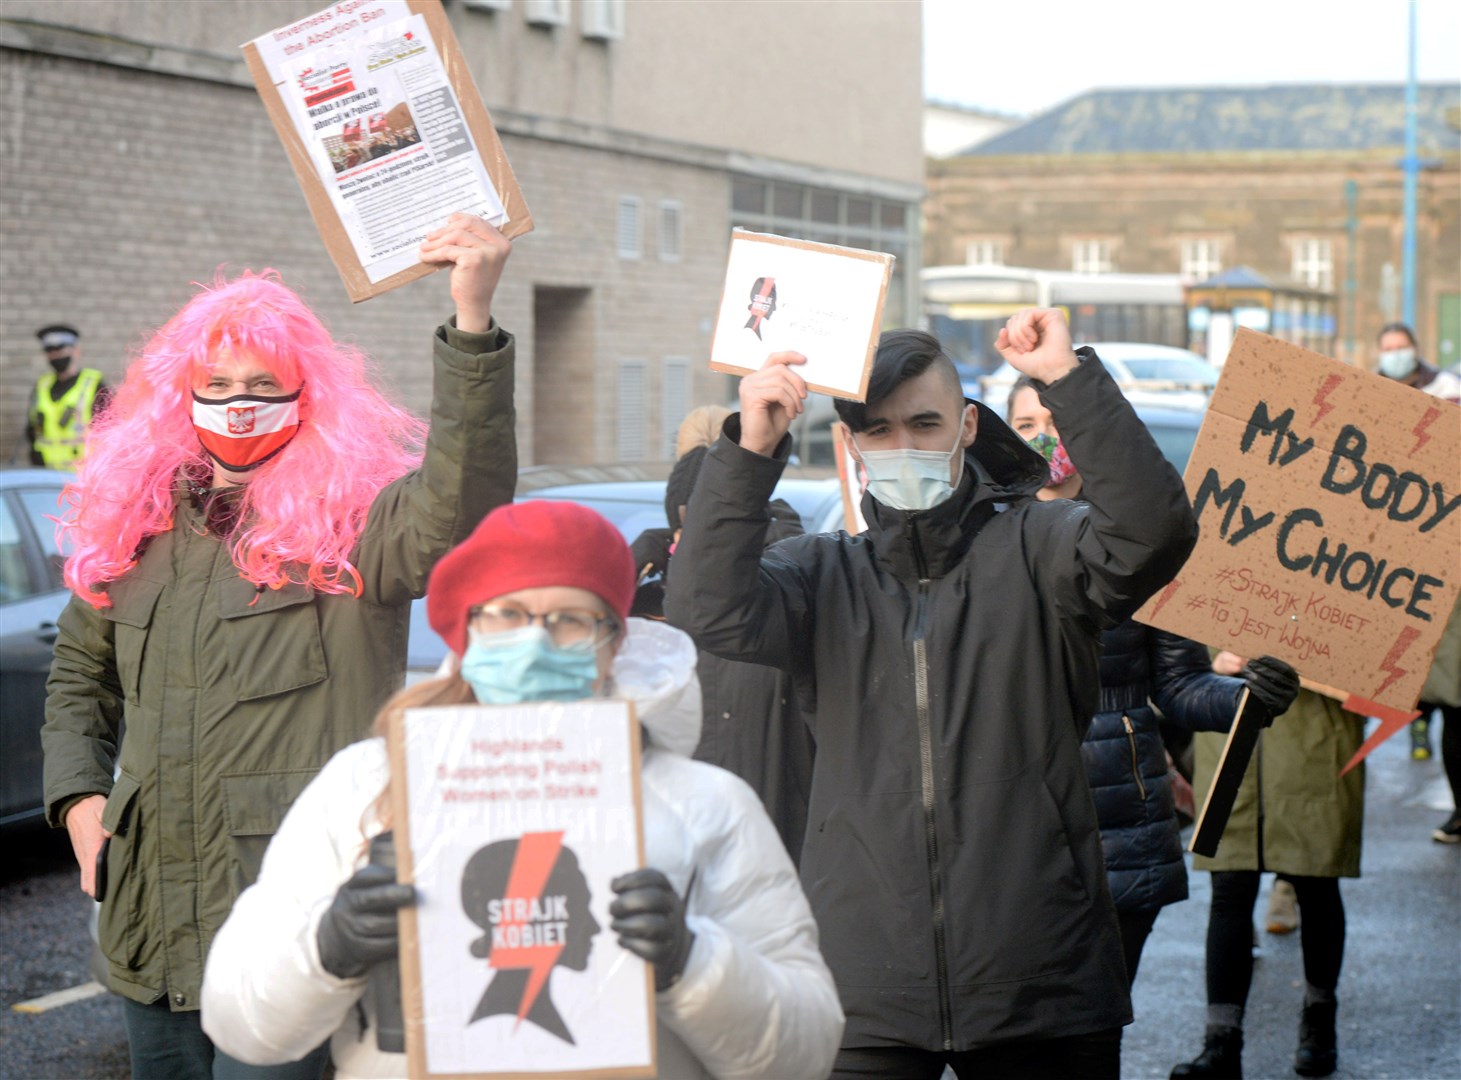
(1036,342)
(770,400)
(478,252)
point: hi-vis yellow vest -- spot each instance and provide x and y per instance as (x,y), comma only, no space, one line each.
(60,426)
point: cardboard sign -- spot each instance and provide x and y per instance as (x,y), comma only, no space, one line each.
(850,481)
(1237,752)
(511,821)
(386,134)
(820,300)
(1329,503)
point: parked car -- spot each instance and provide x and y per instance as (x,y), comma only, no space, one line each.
(1157,375)
(632,496)
(31,598)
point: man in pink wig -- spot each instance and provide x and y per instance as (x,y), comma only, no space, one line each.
(247,533)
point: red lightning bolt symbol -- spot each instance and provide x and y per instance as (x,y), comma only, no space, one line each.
(1392,658)
(536,854)
(1419,431)
(1327,387)
(1167,594)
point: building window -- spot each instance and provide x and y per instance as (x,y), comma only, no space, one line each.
(835,217)
(489,5)
(674,401)
(1202,257)
(545,12)
(985,253)
(629,237)
(671,242)
(602,20)
(1092,257)
(1314,263)
(630,421)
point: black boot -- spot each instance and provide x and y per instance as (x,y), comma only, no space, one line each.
(1317,1055)
(1221,1057)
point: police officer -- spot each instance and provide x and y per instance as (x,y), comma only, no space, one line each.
(65,400)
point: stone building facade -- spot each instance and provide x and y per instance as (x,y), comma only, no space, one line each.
(1298,182)
(135,158)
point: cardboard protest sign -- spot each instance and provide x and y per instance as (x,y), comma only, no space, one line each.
(386,134)
(820,300)
(511,821)
(1329,503)
(1237,752)
(850,481)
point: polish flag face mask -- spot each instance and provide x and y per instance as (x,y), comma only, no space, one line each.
(246,430)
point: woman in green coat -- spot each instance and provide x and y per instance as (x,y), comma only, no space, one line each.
(1296,816)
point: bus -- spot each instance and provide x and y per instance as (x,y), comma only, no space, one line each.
(966,305)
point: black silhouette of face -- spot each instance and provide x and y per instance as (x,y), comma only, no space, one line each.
(764,306)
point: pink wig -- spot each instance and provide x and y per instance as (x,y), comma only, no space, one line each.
(303,510)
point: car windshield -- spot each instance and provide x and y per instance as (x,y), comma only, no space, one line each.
(1174,440)
(1177,369)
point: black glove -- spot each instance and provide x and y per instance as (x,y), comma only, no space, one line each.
(1273,683)
(649,917)
(359,929)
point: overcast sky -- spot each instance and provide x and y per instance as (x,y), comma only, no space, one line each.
(1024,56)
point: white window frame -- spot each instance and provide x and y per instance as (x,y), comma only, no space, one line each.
(545,12)
(674,395)
(1092,256)
(1313,261)
(1202,257)
(631,422)
(630,221)
(985,251)
(601,20)
(671,230)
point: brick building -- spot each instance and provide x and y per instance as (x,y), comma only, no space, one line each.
(135,157)
(1297,182)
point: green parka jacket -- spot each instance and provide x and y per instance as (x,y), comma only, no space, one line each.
(1294,813)
(234,697)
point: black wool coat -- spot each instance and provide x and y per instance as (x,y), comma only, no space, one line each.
(952,855)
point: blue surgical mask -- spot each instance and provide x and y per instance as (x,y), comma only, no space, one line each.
(1397,363)
(525,665)
(911,479)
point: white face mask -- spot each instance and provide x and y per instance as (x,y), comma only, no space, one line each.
(1397,363)
(911,479)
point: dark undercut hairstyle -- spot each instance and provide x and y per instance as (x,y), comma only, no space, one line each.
(901,355)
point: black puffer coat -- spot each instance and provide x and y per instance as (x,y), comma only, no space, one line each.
(952,856)
(1127,764)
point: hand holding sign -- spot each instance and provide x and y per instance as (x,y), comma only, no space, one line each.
(770,400)
(1036,342)
(477,252)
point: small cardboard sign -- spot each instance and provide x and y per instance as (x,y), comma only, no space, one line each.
(511,821)
(821,300)
(850,481)
(386,133)
(1237,752)
(1329,504)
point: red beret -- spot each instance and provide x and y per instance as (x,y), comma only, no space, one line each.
(526,546)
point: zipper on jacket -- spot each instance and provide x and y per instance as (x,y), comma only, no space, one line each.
(925,759)
(1135,761)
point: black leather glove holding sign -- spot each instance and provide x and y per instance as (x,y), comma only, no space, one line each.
(649,917)
(1273,683)
(359,929)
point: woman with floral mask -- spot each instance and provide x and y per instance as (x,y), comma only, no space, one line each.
(535,603)
(1126,762)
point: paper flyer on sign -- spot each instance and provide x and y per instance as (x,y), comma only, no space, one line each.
(517,818)
(366,90)
(1328,501)
(820,300)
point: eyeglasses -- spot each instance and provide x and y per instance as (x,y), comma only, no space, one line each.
(570,628)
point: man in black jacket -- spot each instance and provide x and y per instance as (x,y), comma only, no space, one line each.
(952,856)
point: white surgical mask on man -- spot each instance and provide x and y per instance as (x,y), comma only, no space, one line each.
(1397,363)
(912,479)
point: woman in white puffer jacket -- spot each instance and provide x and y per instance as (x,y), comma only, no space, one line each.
(744,991)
